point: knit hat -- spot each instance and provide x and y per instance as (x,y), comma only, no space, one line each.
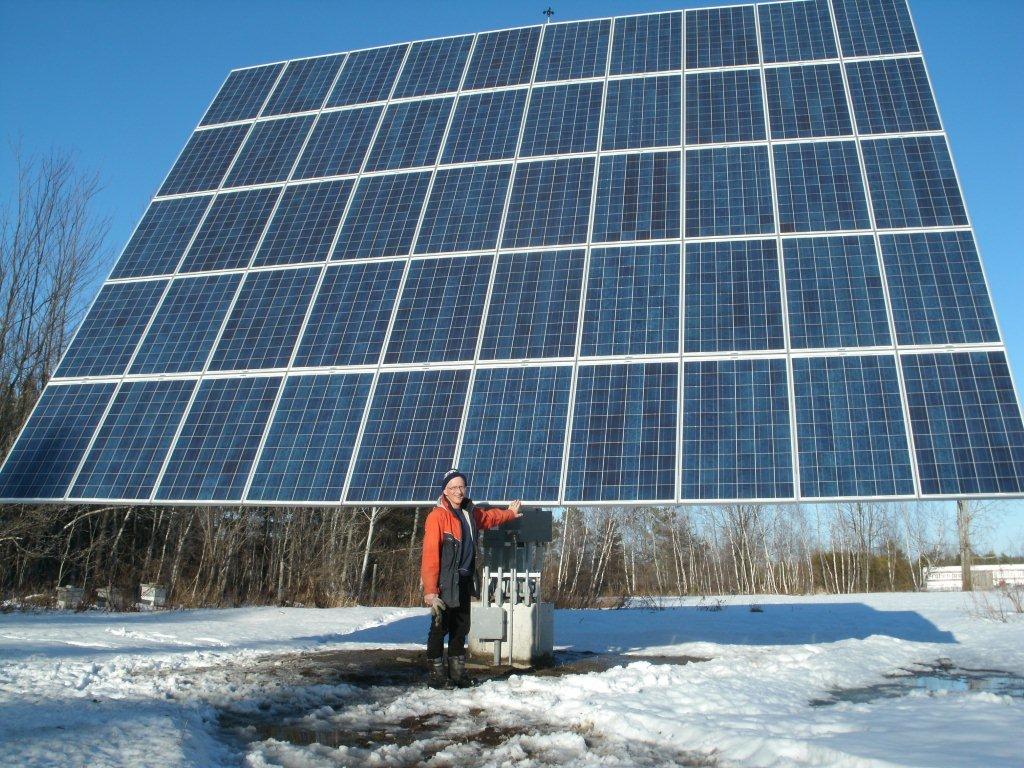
(450,475)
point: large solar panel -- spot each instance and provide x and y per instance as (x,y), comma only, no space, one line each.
(698,256)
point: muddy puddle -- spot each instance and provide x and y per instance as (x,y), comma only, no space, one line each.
(360,713)
(938,678)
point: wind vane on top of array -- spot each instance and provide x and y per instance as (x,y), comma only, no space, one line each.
(549,13)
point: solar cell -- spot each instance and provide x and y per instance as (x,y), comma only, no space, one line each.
(638,197)
(47,452)
(642,112)
(264,323)
(231,230)
(204,160)
(303,85)
(574,50)
(304,224)
(309,445)
(874,27)
(648,43)
(410,134)
(515,431)
(161,238)
(110,332)
(796,31)
(892,96)
(550,203)
(733,298)
(503,58)
(721,37)
(409,441)
(439,311)
(383,215)
(464,209)
(938,289)
(242,95)
(623,443)
(338,143)
(270,151)
(535,306)
(134,440)
(736,438)
(806,102)
(485,126)
(217,445)
(186,325)
(434,66)
(632,303)
(367,76)
(728,191)
(834,293)
(820,187)
(968,434)
(851,437)
(562,119)
(913,183)
(724,107)
(350,315)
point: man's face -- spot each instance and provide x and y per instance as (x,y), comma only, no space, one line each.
(455,491)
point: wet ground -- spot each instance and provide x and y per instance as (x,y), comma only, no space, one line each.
(361,726)
(361,707)
(939,678)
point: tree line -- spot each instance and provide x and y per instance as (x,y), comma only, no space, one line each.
(222,556)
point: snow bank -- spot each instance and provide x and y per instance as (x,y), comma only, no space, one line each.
(141,689)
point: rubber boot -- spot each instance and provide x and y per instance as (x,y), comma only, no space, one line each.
(438,674)
(457,672)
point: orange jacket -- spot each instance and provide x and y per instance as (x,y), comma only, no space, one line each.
(443,521)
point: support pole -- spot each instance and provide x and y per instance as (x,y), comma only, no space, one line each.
(513,584)
(498,599)
(963,528)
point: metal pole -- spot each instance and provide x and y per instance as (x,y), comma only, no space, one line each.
(963,527)
(529,568)
(514,601)
(498,601)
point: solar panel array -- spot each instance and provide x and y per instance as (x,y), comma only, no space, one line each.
(711,255)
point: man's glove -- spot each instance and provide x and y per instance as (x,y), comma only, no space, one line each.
(437,608)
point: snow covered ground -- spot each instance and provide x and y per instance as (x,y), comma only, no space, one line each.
(147,689)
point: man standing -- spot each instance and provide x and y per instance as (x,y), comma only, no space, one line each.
(447,573)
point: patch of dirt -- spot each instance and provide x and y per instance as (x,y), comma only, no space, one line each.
(313,706)
(382,666)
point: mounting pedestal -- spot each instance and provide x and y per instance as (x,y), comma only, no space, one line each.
(510,622)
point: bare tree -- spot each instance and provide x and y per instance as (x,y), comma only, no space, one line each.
(52,243)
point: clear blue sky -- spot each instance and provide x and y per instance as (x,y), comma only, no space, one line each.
(124,82)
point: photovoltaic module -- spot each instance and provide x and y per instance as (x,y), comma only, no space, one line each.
(707,255)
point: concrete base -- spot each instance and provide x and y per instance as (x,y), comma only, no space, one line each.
(529,628)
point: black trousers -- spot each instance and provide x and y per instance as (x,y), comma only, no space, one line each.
(454,623)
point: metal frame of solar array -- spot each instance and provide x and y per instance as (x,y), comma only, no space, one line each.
(270,335)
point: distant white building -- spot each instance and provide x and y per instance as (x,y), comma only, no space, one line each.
(947,578)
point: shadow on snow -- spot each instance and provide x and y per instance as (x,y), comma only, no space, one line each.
(624,630)
(600,631)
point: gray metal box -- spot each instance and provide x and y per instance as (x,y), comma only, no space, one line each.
(487,623)
(534,527)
